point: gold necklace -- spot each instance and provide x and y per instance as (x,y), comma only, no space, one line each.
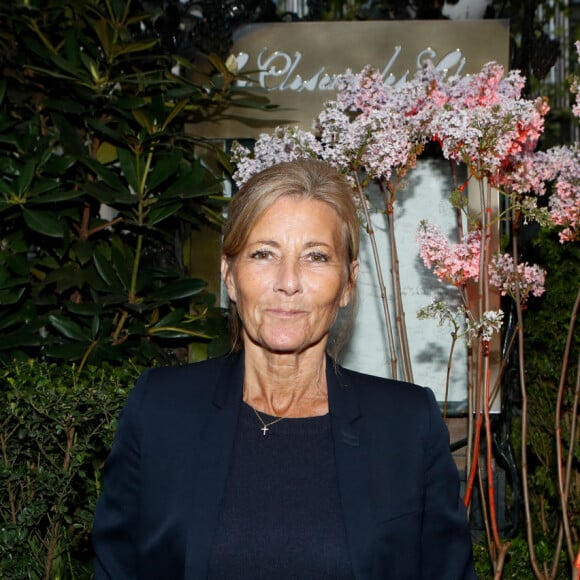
(264,429)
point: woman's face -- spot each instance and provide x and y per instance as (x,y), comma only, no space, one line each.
(291,276)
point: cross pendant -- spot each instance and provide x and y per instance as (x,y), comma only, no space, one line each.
(264,429)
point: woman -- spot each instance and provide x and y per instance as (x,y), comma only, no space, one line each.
(274,462)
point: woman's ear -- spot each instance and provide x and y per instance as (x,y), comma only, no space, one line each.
(354,267)
(227,277)
(350,285)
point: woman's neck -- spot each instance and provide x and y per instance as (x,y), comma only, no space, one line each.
(289,385)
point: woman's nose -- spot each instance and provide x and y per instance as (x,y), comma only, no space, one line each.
(289,279)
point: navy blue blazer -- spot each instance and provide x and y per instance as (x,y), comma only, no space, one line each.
(165,476)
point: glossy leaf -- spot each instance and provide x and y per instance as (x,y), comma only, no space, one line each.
(43,222)
(12,296)
(178,331)
(56,195)
(24,179)
(163,170)
(69,328)
(105,269)
(177,290)
(160,212)
(109,195)
(106,153)
(104,173)
(129,167)
(83,309)
(122,260)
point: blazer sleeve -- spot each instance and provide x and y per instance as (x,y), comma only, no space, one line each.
(446,542)
(116,517)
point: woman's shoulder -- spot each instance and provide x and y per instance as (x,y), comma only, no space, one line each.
(170,384)
(209,367)
(392,406)
(381,387)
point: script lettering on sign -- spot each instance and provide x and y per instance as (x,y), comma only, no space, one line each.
(280,71)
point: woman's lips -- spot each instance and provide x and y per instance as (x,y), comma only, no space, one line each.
(285,313)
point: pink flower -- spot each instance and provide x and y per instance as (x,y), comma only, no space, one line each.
(453,263)
(529,279)
(561,167)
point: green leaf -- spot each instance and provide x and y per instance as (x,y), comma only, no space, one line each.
(22,337)
(117,136)
(71,351)
(9,297)
(175,316)
(108,195)
(104,173)
(72,69)
(19,264)
(5,188)
(161,212)
(145,120)
(43,222)
(187,186)
(41,186)
(24,179)
(178,331)
(56,196)
(128,161)
(177,290)
(9,283)
(104,33)
(106,153)
(69,328)
(122,260)
(175,111)
(135,47)
(95,325)
(83,250)
(83,309)
(105,269)
(163,170)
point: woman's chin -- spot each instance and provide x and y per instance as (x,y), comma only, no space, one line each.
(287,344)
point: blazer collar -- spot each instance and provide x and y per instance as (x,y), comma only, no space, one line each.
(213,452)
(352,465)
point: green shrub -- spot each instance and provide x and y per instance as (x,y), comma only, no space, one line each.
(517,562)
(56,427)
(102,181)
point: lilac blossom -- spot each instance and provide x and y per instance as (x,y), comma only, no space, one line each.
(285,144)
(528,279)
(453,263)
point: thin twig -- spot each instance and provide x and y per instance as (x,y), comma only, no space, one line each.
(383,290)
(564,479)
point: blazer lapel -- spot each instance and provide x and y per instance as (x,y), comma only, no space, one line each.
(352,466)
(213,453)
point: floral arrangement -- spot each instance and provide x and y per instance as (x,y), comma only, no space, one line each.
(375,133)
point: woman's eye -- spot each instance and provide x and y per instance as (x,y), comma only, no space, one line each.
(261,255)
(317,257)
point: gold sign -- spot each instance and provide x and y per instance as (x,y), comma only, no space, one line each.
(296,65)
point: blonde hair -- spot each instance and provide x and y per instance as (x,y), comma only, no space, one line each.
(303,178)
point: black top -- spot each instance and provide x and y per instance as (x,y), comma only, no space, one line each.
(281,515)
